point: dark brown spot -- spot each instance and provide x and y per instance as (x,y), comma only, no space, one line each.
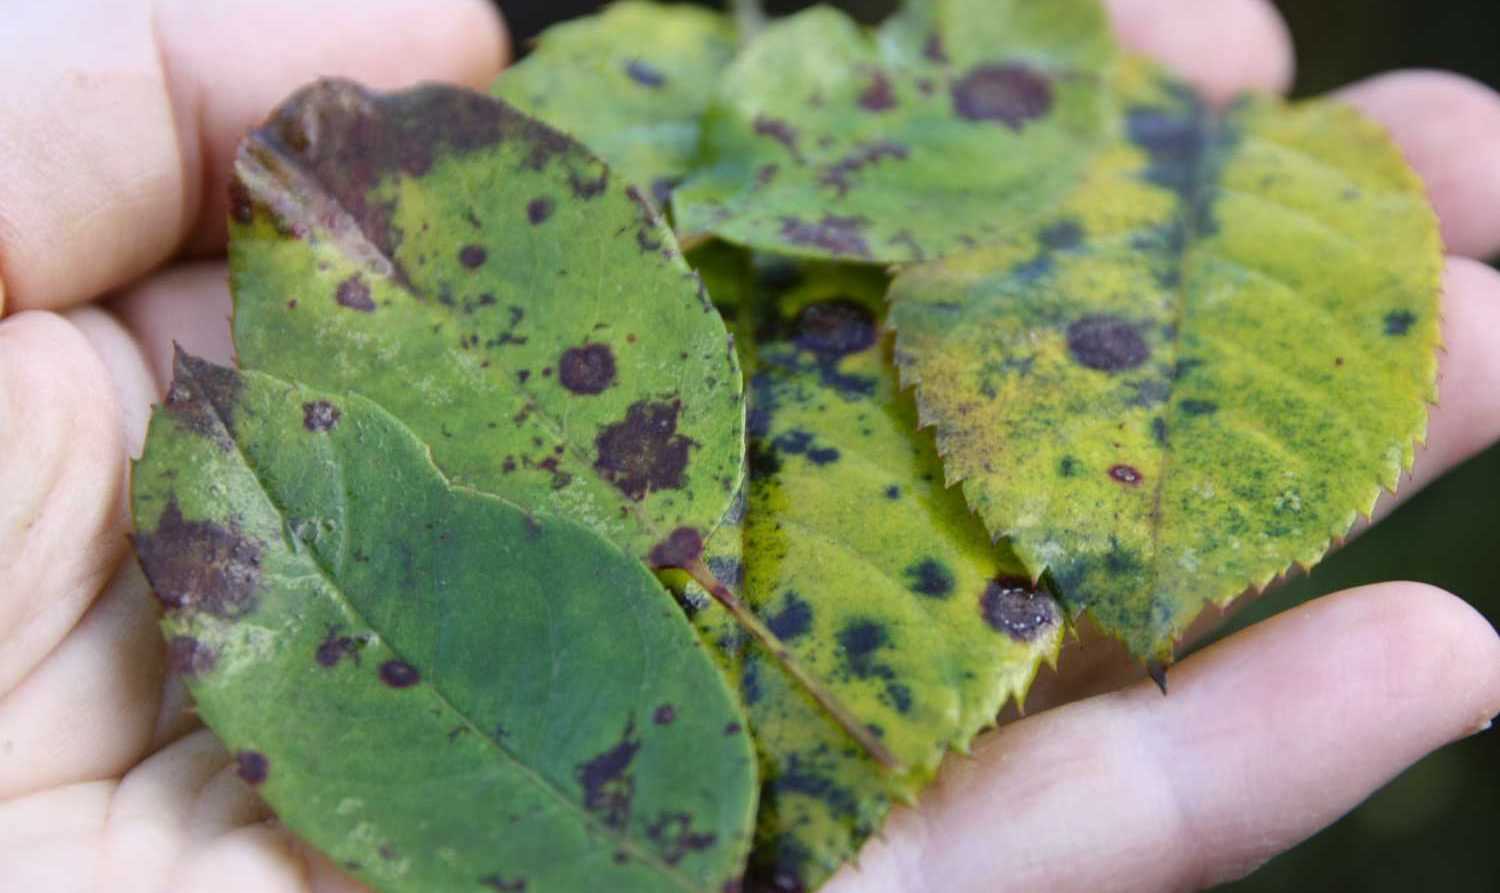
(253,768)
(680,549)
(1016,607)
(473,256)
(878,96)
(200,565)
(538,210)
(795,618)
(1126,474)
(335,648)
(1107,343)
(838,174)
(933,49)
(320,416)
(589,369)
(644,453)
(780,131)
(843,236)
(399,674)
(664,715)
(354,293)
(931,578)
(1011,95)
(674,837)
(499,884)
(188,657)
(645,75)
(608,786)
(732,729)
(835,328)
(1399,322)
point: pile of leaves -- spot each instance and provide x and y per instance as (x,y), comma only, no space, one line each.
(541,545)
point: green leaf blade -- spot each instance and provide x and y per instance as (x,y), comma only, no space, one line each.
(486,280)
(1200,369)
(873,573)
(631,82)
(827,142)
(366,639)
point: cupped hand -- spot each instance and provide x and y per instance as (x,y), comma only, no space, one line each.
(118,130)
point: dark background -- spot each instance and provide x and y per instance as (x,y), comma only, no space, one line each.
(1434,827)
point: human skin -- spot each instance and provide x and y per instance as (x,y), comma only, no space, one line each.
(118,130)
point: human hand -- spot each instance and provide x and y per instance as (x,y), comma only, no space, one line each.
(120,128)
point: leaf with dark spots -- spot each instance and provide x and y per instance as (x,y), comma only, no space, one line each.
(365,636)
(1213,335)
(861,587)
(902,145)
(510,316)
(641,114)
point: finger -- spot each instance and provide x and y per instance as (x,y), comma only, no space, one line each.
(1223,47)
(1449,128)
(119,136)
(1267,737)
(62,470)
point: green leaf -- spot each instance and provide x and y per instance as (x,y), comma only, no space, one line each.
(1199,368)
(870,571)
(631,82)
(826,141)
(490,283)
(437,689)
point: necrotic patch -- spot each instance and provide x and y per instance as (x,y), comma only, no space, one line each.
(200,565)
(931,578)
(1107,343)
(645,74)
(1012,605)
(608,786)
(472,256)
(835,328)
(320,416)
(354,293)
(1011,95)
(253,768)
(399,674)
(643,453)
(588,370)
(538,210)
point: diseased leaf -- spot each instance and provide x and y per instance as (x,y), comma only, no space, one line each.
(435,688)
(924,138)
(631,82)
(1199,368)
(871,572)
(477,274)
(487,280)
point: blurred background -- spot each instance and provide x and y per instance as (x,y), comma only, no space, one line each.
(1434,827)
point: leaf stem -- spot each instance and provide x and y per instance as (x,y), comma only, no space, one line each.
(851,724)
(750,18)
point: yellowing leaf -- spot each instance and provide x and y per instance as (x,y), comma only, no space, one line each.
(439,690)
(1199,368)
(631,83)
(873,574)
(826,141)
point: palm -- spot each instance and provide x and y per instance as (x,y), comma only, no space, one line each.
(106,776)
